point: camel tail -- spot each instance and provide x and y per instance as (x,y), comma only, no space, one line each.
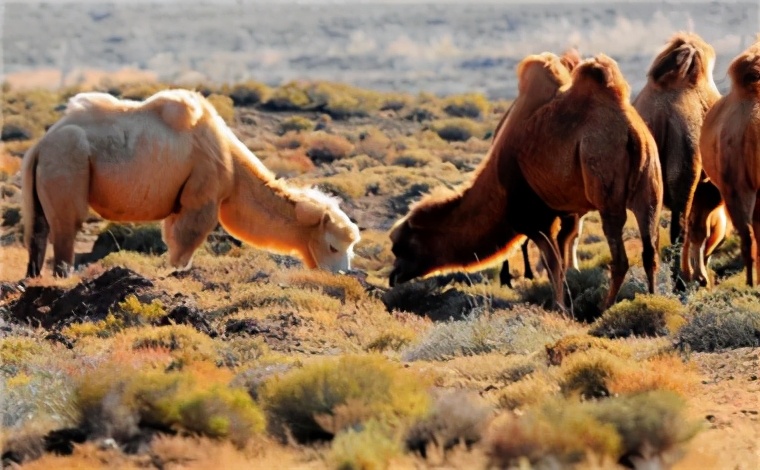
(36,227)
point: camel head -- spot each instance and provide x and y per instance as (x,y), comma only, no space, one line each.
(541,75)
(685,61)
(745,70)
(601,73)
(331,234)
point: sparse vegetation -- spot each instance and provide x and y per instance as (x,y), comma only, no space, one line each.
(250,359)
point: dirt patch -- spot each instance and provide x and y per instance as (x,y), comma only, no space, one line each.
(277,329)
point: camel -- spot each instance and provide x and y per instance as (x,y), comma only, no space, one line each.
(171,158)
(707,227)
(679,91)
(484,220)
(588,149)
(730,147)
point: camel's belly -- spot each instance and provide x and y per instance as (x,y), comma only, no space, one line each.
(123,193)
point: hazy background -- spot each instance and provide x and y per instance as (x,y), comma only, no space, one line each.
(441,47)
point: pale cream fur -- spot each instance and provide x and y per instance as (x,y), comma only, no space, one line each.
(171,158)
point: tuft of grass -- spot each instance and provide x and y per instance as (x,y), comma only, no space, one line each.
(456,129)
(589,373)
(528,391)
(342,101)
(326,148)
(224,107)
(413,158)
(291,96)
(471,105)
(645,315)
(373,142)
(371,446)
(571,344)
(329,395)
(296,124)
(249,93)
(185,343)
(114,400)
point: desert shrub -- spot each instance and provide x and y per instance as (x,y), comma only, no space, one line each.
(141,238)
(396,101)
(413,158)
(296,124)
(16,127)
(661,372)
(645,315)
(249,93)
(141,91)
(291,96)
(527,391)
(11,215)
(343,101)
(344,288)
(289,163)
(648,425)
(423,112)
(35,393)
(224,107)
(471,105)
(589,373)
(520,332)
(370,447)
(456,129)
(326,148)
(571,344)
(374,143)
(393,340)
(456,416)
(183,341)
(104,328)
(722,320)
(115,400)
(290,140)
(326,396)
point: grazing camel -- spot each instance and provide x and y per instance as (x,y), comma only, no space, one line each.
(588,149)
(680,90)
(497,210)
(708,226)
(730,146)
(169,157)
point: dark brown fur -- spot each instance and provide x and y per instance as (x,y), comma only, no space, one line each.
(673,103)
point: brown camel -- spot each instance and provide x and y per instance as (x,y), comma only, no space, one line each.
(680,90)
(170,157)
(588,149)
(708,226)
(730,146)
(482,222)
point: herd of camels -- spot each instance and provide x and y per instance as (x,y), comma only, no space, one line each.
(572,142)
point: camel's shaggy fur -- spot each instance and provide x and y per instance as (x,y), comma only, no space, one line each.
(170,157)
(588,149)
(680,90)
(482,222)
(730,146)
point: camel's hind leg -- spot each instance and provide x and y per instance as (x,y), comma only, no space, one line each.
(612,224)
(741,207)
(550,254)
(568,240)
(62,183)
(38,243)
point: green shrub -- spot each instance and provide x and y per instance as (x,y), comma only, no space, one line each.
(114,399)
(371,447)
(645,315)
(296,124)
(588,373)
(472,105)
(456,129)
(249,93)
(289,97)
(343,101)
(326,396)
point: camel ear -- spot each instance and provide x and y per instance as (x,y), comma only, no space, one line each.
(571,58)
(308,213)
(679,62)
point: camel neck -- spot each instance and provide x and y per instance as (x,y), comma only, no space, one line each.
(261,211)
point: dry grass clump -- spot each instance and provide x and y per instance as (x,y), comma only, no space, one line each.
(645,315)
(725,319)
(413,158)
(289,163)
(588,373)
(631,429)
(141,91)
(342,101)
(470,105)
(371,446)
(457,129)
(342,287)
(291,96)
(249,93)
(571,344)
(373,142)
(326,148)
(296,124)
(116,401)
(527,391)
(184,343)
(329,395)
(224,107)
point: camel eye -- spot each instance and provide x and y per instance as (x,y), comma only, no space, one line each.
(333,249)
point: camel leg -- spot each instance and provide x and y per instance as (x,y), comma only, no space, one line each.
(568,240)
(186,230)
(505,277)
(741,206)
(550,253)
(612,224)
(38,244)
(649,229)
(526,261)
(756,230)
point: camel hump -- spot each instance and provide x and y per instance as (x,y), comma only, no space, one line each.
(92,100)
(602,71)
(677,62)
(179,109)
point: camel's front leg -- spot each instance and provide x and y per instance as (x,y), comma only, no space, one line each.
(550,253)
(186,230)
(612,224)
(741,206)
